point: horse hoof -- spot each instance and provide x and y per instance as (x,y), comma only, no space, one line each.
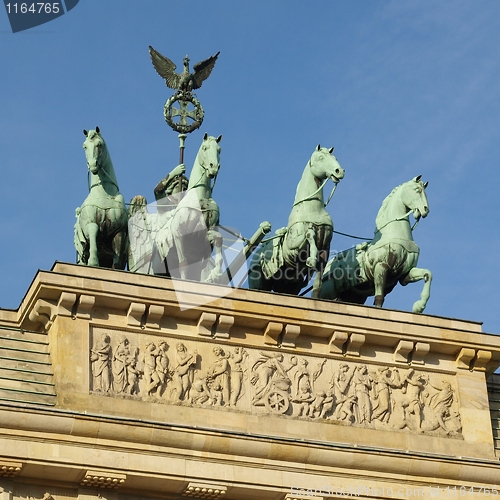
(310,262)
(418,308)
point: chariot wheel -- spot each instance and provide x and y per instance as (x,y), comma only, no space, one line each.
(277,402)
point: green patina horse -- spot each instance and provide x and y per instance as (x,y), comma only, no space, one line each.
(287,262)
(181,236)
(376,267)
(102,221)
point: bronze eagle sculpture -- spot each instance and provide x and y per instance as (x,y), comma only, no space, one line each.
(185,81)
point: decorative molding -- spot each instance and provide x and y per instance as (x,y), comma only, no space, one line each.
(85,306)
(205,324)
(204,490)
(102,479)
(43,312)
(337,342)
(421,350)
(66,303)
(356,341)
(155,314)
(135,313)
(9,468)
(481,360)
(464,358)
(272,332)
(155,368)
(290,335)
(402,351)
(223,326)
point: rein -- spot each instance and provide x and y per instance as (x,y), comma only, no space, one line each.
(100,169)
(210,185)
(403,217)
(311,196)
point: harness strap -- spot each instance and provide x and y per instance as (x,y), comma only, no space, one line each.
(311,196)
(403,217)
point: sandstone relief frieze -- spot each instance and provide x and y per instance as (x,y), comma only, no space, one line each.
(203,373)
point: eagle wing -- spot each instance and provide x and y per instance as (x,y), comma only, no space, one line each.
(202,70)
(165,68)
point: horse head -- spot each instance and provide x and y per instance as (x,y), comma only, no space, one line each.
(209,155)
(414,197)
(324,165)
(94,147)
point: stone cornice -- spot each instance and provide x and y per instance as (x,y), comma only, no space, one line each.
(323,321)
(114,435)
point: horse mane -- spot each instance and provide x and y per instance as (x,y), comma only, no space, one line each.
(383,209)
(92,133)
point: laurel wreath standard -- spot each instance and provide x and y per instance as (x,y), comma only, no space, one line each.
(199,113)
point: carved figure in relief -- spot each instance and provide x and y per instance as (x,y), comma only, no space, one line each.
(412,404)
(236,380)
(217,395)
(199,393)
(385,380)
(380,399)
(151,378)
(119,365)
(328,404)
(302,394)
(362,383)
(156,365)
(133,374)
(162,363)
(264,369)
(438,408)
(184,371)
(100,358)
(218,374)
(316,405)
(323,403)
(340,384)
(303,386)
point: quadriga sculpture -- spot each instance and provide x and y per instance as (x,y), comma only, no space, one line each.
(102,221)
(375,268)
(287,262)
(182,234)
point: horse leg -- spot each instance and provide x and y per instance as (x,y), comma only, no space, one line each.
(256,278)
(318,280)
(417,274)
(312,260)
(118,244)
(379,279)
(215,239)
(93,230)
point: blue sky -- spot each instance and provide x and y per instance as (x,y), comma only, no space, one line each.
(399,88)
